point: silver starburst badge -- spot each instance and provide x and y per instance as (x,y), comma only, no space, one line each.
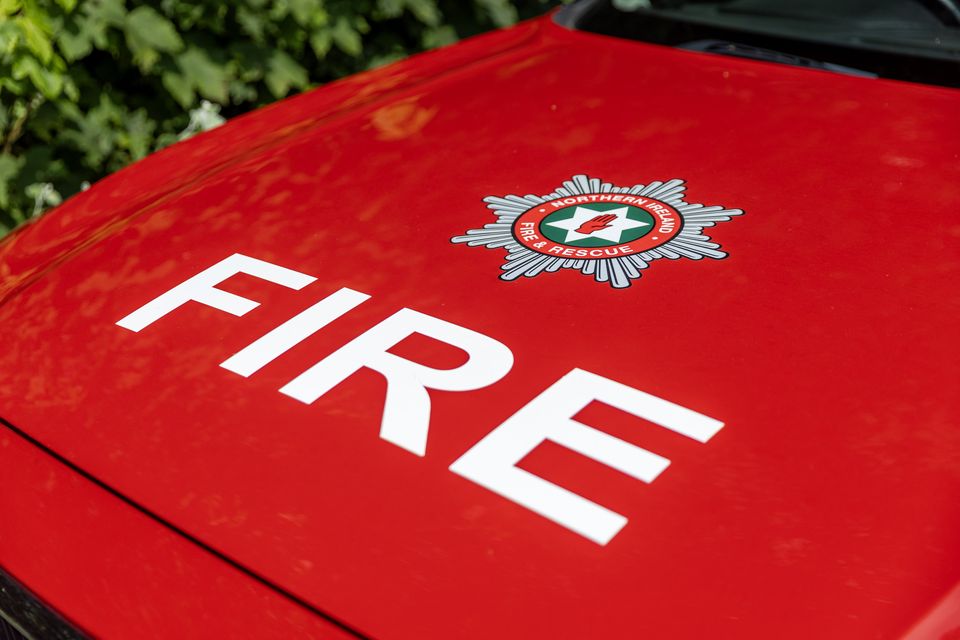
(599,229)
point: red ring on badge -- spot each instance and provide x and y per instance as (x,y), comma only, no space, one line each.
(526,228)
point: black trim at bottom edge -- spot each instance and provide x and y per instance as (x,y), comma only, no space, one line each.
(28,616)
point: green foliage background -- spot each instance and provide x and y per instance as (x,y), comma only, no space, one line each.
(89,86)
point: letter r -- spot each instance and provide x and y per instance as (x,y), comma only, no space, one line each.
(406,412)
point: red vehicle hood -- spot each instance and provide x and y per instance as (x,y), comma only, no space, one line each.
(826,343)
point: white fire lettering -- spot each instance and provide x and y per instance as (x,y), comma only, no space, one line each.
(491,462)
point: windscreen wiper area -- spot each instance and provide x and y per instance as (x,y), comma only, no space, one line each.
(896,40)
(725,48)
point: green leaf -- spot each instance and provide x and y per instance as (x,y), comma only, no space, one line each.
(241,92)
(179,87)
(207,78)
(252,23)
(149,34)
(151,29)
(501,12)
(320,42)
(36,39)
(138,134)
(306,12)
(16,86)
(74,43)
(9,7)
(9,37)
(384,59)
(88,28)
(390,8)
(426,11)
(439,37)
(347,38)
(94,132)
(47,82)
(283,73)
(70,89)
(69,111)
(106,12)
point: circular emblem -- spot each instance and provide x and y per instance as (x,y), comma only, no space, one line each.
(595,226)
(603,230)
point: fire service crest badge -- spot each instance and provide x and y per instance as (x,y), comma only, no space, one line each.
(598,228)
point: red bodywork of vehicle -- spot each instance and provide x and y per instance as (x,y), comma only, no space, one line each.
(827,343)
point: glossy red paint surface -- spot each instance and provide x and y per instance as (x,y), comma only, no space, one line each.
(117,573)
(827,343)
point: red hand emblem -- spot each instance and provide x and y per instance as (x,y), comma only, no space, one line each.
(596,223)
